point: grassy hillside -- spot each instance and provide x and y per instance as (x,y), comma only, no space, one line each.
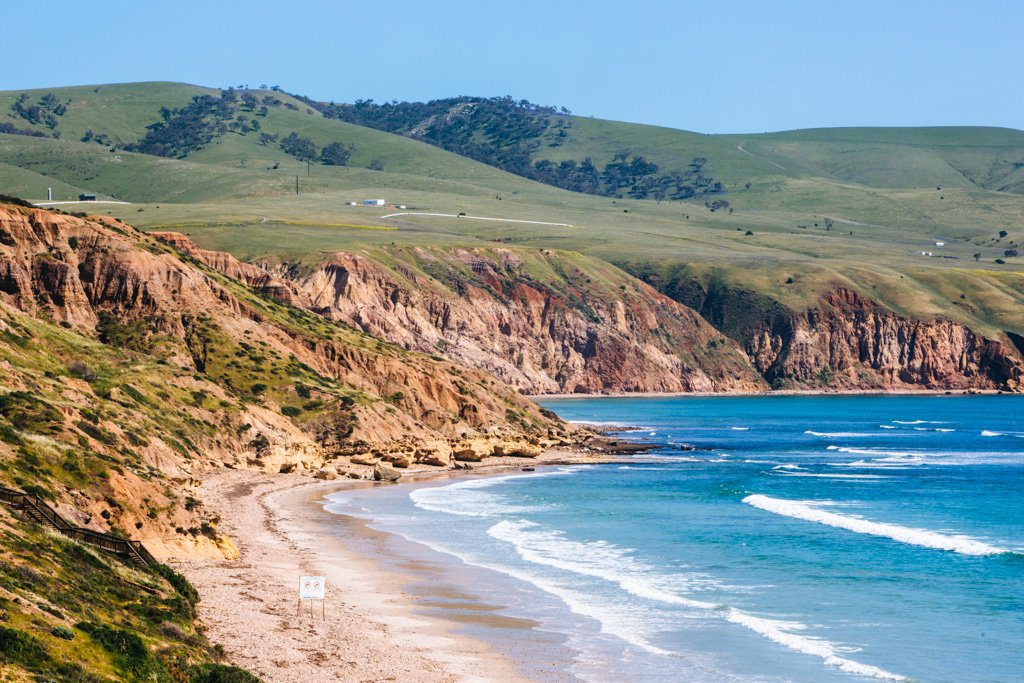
(823,207)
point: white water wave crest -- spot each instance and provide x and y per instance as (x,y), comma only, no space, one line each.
(811,511)
(470,498)
(842,435)
(616,565)
(834,476)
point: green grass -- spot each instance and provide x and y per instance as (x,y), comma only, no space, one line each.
(878,184)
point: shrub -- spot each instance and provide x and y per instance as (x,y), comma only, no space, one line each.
(29,414)
(82,370)
(291,411)
(181,585)
(219,673)
(63,632)
(129,651)
(18,647)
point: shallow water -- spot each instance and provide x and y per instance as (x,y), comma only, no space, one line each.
(822,539)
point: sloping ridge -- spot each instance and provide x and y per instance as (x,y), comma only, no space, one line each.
(36,509)
(541,321)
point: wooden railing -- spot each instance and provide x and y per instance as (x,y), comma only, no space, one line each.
(36,509)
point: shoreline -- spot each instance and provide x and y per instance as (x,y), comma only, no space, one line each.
(374,626)
(770,393)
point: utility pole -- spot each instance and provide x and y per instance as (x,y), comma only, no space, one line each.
(296,184)
(307,168)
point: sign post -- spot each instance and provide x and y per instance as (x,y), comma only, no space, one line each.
(312,588)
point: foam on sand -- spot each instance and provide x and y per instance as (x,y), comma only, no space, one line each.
(811,512)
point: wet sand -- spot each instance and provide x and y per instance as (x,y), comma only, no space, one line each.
(389,615)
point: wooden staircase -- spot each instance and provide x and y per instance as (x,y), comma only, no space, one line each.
(36,509)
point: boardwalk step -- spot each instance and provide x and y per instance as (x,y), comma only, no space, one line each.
(37,510)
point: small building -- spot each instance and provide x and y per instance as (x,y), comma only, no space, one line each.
(940,244)
(374,202)
(86,197)
(351,203)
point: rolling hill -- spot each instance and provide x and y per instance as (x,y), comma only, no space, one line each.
(797,215)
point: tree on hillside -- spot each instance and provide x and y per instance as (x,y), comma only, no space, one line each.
(299,147)
(337,154)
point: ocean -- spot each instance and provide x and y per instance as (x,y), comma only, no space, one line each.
(781,538)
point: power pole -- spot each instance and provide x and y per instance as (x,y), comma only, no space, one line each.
(307,168)
(296,184)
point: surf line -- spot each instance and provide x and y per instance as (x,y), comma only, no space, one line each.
(909,535)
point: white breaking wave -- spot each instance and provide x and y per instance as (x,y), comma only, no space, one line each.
(781,632)
(986,432)
(600,423)
(834,476)
(919,422)
(789,466)
(467,498)
(841,435)
(875,451)
(740,429)
(655,469)
(809,511)
(886,427)
(610,563)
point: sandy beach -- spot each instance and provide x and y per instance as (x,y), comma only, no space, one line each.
(370,630)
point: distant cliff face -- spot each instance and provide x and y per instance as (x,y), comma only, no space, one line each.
(849,342)
(543,322)
(94,276)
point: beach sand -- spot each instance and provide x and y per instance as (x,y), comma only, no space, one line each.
(371,629)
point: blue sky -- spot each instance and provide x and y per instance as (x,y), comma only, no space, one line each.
(713,67)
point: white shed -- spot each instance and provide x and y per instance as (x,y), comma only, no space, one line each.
(373,202)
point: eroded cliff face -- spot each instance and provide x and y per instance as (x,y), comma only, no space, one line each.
(196,371)
(543,322)
(849,342)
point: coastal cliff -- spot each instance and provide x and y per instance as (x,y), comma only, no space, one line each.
(123,357)
(541,321)
(850,342)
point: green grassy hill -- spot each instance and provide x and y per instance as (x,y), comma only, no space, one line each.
(853,207)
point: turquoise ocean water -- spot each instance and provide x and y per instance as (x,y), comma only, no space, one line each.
(815,539)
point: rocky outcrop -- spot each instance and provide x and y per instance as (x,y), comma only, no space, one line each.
(543,322)
(850,342)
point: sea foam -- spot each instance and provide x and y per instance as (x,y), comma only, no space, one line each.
(469,498)
(618,566)
(809,511)
(841,435)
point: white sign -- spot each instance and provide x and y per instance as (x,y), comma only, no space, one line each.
(312,587)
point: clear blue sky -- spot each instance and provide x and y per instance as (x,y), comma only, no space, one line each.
(708,66)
